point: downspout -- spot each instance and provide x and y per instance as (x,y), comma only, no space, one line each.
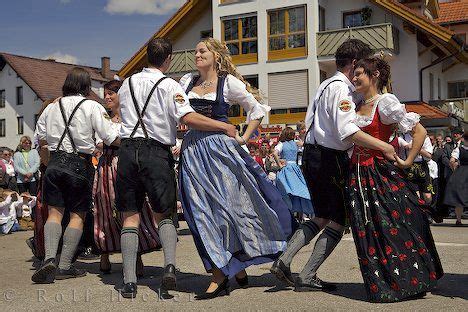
(435,63)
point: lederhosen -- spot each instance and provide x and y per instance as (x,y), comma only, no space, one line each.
(145,168)
(419,175)
(326,171)
(68,179)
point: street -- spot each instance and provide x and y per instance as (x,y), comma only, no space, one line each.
(95,292)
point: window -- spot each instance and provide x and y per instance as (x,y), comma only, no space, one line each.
(2,127)
(20,124)
(461,36)
(2,98)
(298,110)
(352,19)
(278,111)
(321,18)
(234,111)
(287,34)
(431,86)
(458,89)
(240,36)
(206,34)
(439,89)
(36,117)
(19,95)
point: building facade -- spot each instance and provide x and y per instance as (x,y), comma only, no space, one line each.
(286,48)
(25,83)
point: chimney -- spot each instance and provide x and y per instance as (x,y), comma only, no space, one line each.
(105,67)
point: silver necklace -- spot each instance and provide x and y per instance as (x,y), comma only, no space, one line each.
(206,84)
(372,99)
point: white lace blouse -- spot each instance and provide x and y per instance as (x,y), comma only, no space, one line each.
(391,111)
(234,92)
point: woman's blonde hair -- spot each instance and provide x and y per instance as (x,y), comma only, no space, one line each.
(225,66)
(22,140)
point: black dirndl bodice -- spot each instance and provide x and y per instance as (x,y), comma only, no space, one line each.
(217,109)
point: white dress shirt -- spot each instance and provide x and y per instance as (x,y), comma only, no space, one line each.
(90,118)
(167,106)
(234,92)
(406,139)
(333,121)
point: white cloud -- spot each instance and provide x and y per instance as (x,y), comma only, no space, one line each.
(155,7)
(62,57)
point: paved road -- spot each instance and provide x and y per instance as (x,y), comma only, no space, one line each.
(95,292)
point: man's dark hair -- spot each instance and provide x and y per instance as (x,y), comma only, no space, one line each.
(351,49)
(113,85)
(78,81)
(158,50)
(457,131)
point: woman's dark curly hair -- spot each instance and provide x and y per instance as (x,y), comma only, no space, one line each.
(373,64)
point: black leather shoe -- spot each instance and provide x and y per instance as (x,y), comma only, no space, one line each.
(243,282)
(129,290)
(87,254)
(72,272)
(46,273)
(315,284)
(169,280)
(223,287)
(282,272)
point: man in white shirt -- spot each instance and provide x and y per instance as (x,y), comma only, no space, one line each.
(331,132)
(68,128)
(151,106)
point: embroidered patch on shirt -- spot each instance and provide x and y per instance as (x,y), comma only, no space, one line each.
(179,98)
(345,106)
(106,115)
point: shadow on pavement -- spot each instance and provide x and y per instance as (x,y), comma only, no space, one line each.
(452,285)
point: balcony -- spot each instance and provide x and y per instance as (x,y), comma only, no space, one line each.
(457,107)
(183,61)
(379,37)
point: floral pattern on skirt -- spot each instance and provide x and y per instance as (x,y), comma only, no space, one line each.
(395,248)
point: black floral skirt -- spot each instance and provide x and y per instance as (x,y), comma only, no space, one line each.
(391,232)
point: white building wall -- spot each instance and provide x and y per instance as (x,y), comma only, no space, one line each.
(9,80)
(264,67)
(189,39)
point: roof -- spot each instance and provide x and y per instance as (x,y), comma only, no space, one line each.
(441,34)
(425,110)
(46,77)
(177,24)
(453,12)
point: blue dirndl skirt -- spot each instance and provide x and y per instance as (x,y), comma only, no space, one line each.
(236,215)
(293,187)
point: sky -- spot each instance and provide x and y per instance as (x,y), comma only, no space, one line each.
(81,31)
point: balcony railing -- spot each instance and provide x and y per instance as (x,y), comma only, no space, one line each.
(379,37)
(457,107)
(182,62)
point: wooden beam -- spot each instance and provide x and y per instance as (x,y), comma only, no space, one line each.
(426,49)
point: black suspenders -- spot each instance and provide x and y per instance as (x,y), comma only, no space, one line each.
(316,106)
(137,109)
(67,125)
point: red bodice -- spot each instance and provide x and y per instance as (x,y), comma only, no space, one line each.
(365,156)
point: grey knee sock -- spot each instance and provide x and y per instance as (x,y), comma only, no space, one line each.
(301,237)
(71,239)
(129,247)
(168,235)
(325,244)
(52,234)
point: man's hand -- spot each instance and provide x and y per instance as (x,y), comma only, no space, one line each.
(230,131)
(402,164)
(388,151)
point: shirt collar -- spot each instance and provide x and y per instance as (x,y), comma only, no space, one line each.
(343,77)
(152,70)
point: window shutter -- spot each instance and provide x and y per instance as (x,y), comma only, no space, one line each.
(288,89)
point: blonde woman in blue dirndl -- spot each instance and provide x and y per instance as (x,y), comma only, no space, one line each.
(236,215)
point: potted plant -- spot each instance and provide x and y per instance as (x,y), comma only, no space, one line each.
(366,14)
